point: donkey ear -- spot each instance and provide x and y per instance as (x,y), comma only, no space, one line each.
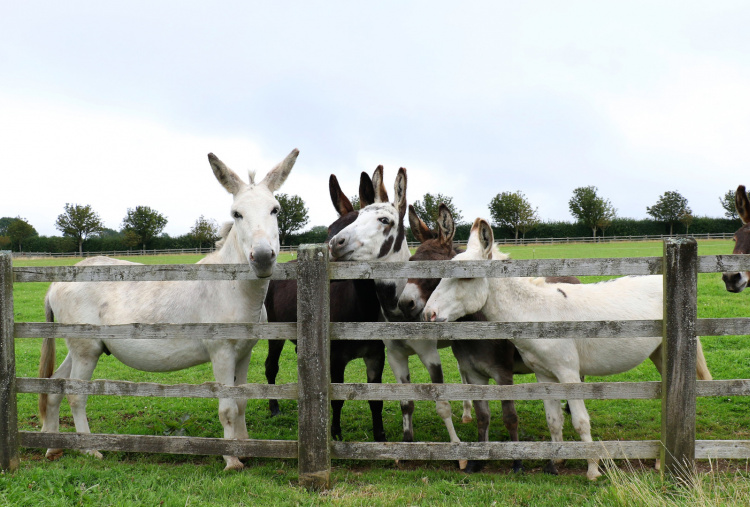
(399,187)
(340,201)
(418,228)
(278,174)
(742,204)
(381,194)
(446,225)
(228,178)
(481,238)
(366,190)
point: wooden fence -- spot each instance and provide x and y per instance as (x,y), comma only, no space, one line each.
(314,449)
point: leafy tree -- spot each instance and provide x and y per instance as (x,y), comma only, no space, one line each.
(205,231)
(355,202)
(18,231)
(292,215)
(514,211)
(669,208)
(687,220)
(428,210)
(6,221)
(591,210)
(142,224)
(727,202)
(79,222)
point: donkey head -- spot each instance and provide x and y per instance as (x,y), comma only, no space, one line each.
(378,231)
(255,211)
(343,205)
(455,297)
(436,246)
(378,234)
(736,282)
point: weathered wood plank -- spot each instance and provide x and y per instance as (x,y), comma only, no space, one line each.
(734,387)
(722,449)
(9,452)
(533,391)
(124,388)
(679,351)
(723,327)
(493,330)
(171,445)
(148,273)
(479,269)
(722,263)
(245,331)
(496,450)
(313,367)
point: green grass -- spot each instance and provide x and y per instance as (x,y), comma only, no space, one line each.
(138,479)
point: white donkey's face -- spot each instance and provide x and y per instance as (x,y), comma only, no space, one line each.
(378,232)
(255,212)
(456,297)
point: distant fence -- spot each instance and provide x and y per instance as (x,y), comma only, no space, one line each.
(293,248)
(314,331)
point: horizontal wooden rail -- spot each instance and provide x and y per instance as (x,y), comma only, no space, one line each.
(441,331)
(125,388)
(270,331)
(148,273)
(171,445)
(393,392)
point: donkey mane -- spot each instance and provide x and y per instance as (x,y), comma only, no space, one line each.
(226,228)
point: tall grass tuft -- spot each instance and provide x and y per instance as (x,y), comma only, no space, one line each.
(648,488)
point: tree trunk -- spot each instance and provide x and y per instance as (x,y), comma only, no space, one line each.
(80,247)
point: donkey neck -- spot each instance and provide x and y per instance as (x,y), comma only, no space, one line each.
(389,289)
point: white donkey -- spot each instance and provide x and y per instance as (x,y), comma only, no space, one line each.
(558,360)
(253,239)
(378,234)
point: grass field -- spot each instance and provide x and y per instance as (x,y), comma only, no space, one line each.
(148,479)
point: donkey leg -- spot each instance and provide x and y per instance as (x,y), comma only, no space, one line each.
(399,363)
(482,409)
(504,377)
(466,416)
(51,413)
(272,369)
(338,365)
(431,359)
(375,363)
(82,368)
(554,414)
(240,377)
(223,363)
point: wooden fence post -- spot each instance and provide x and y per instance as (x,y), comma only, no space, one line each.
(679,357)
(313,367)
(9,458)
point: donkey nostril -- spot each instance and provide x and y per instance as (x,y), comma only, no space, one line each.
(412,304)
(341,241)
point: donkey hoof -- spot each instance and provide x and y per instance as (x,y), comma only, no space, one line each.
(93,453)
(462,463)
(517,467)
(233,463)
(53,454)
(467,419)
(550,468)
(593,475)
(474,466)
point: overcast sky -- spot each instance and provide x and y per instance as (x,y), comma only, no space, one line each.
(117,106)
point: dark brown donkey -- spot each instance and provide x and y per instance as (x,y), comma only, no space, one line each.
(736,282)
(478,360)
(351,301)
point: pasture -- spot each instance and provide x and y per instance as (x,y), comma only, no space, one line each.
(135,478)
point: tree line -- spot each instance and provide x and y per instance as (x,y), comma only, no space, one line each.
(512,214)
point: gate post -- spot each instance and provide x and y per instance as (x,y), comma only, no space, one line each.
(679,351)
(9,454)
(313,367)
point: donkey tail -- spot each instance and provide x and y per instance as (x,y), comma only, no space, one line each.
(701,366)
(47,360)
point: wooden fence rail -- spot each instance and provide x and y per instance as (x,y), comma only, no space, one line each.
(679,265)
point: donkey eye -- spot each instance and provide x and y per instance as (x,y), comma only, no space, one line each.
(384,221)
(236,215)
(275,211)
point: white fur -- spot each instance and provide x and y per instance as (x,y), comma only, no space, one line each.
(556,360)
(253,239)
